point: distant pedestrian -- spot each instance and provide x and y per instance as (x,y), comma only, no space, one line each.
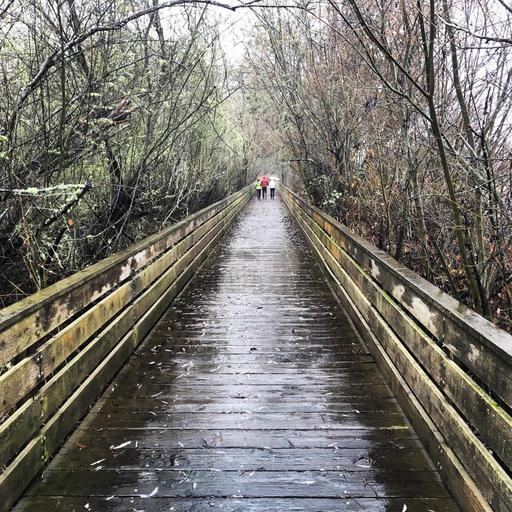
(258,188)
(272,187)
(264,184)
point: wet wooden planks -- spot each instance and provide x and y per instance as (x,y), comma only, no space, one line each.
(236,504)
(253,393)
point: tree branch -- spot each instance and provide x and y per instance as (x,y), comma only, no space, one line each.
(53,58)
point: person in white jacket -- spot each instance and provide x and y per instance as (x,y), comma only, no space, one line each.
(272,187)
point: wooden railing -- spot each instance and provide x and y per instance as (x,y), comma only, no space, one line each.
(60,347)
(450,368)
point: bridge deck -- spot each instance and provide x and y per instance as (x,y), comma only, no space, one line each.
(252,393)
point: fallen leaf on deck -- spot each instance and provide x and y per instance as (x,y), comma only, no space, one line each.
(119,446)
(152,493)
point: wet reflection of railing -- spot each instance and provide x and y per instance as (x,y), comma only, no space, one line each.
(60,347)
(449,367)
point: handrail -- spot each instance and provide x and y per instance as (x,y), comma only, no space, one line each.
(107,273)
(449,367)
(481,330)
(86,326)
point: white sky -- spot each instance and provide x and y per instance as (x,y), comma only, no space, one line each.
(234,27)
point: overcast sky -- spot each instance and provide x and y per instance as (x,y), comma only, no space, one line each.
(235,27)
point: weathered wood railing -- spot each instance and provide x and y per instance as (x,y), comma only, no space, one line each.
(450,368)
(60,348)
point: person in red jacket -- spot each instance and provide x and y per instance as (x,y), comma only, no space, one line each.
(264,184)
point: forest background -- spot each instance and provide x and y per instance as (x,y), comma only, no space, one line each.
(120,117)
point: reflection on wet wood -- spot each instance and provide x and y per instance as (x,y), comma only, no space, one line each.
(253,393)
(393,439)
(253,459)
(243,483)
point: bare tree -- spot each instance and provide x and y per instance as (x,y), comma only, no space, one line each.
(397,120)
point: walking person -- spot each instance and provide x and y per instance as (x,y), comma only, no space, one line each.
(264,183)
(272,187)
(258,188)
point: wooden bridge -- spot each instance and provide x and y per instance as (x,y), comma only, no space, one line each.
(301,369)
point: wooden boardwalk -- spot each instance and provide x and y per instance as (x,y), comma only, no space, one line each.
(253,393)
